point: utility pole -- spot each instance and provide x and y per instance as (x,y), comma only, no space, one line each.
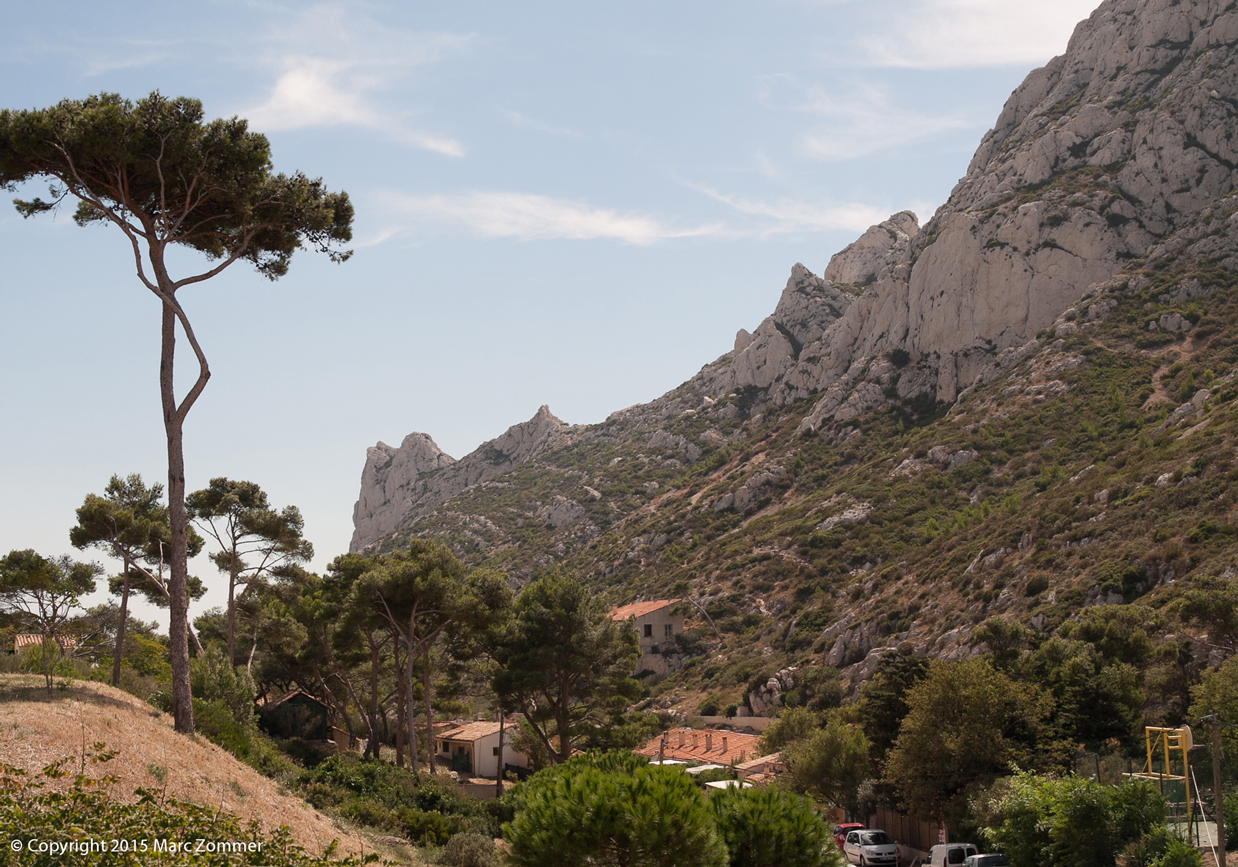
(1215,719)
(498,777)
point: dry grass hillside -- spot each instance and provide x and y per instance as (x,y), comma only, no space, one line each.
(36,730)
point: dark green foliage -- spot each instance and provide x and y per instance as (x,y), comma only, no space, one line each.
(613,810)
(966,724)
(1036,820)
(830,764)
(29,811)
(469,850)
(565,665)
(218,172)
(423,808)
(882,705)
(772,828)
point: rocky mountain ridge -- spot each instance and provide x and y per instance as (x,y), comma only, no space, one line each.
(1019,409)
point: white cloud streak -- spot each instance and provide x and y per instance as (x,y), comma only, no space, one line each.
(335,67)
(785,216)
(521,121)
(528,217)
(944,34)
(860,120)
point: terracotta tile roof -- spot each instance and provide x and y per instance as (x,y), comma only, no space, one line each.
(756,763)
(31,639)
(640,609)
(475,731)
(722,747)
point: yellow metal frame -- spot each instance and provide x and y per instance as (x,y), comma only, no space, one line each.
(1168,742)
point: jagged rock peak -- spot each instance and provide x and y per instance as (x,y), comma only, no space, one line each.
(399,486)
(883,246)
(387,484)
(1122,141)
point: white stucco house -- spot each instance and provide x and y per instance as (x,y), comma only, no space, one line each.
(473,748)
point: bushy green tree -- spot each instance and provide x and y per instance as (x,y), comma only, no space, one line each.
(830,764)
(793,724)
(255,541)
(167,180)
(967,723)
(564,665)
(613,810)
(1097,698)
(882,704)
(44,593)
(772,828)
(1072,821)
(213,679)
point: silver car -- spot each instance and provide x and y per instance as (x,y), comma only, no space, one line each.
(870,848)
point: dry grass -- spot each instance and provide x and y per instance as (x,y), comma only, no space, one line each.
(36,730)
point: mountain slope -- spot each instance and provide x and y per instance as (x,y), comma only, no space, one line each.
(1020,409)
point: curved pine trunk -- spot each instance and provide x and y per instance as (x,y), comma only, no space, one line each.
(178,524)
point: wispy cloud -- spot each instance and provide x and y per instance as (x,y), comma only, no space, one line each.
(521,121)
(942,34)
(332,67)
(784,215)
(853,121)
(528,217)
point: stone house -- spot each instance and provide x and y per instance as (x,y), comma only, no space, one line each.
(656,628)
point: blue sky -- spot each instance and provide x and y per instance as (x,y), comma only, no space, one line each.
(575,204)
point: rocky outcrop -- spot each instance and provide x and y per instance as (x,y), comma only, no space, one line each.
(1098,158)
(398,486)
(878,250)
(389,485)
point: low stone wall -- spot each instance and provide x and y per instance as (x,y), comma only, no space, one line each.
(756,723)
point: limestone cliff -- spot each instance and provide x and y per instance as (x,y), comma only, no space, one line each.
(400,485)
(1109,149)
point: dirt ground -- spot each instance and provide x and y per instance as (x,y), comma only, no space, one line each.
(36,730)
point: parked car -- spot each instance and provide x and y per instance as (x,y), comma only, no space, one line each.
(870,846)
(951,854)
(991,859)
(840,831)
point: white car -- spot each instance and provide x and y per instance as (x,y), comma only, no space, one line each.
(870,848)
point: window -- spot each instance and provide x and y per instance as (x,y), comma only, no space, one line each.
(670,630)
(446,748)
(494,751)
(649,630)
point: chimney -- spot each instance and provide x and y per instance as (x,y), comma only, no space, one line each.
(709,741)
(681,738)
(724,743)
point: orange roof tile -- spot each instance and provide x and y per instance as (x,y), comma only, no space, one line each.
(640,609)
(723,747)
(32,638)
(475,731)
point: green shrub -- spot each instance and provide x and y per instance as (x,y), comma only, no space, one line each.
(421,807)
(469,850)
(613,809)
(86,811)
(772,828)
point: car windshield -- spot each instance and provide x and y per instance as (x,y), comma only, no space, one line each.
(875,838)
(992,861)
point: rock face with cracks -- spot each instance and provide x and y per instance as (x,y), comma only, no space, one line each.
(400,485)
(1124,148)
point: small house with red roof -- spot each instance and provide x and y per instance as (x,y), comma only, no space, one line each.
(473,748)
(656,625)
(709,745)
